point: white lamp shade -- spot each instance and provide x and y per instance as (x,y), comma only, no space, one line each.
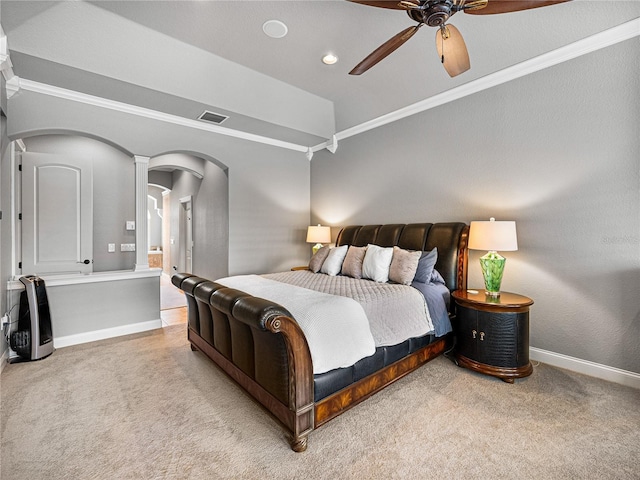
(493,236)
(319,234)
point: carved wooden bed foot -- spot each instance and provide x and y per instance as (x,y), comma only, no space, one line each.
(298,444)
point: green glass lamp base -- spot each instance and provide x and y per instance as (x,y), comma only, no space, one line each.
(492,264)
(316,247)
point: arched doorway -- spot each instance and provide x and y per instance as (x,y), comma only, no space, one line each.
(194,192)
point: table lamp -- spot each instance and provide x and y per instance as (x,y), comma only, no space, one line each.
(493,236)
(318,235)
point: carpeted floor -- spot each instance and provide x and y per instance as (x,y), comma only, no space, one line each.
(147,407)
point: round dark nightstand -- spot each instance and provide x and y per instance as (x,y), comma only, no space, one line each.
(492,333)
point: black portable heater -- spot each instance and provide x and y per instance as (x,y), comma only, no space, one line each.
(33,339)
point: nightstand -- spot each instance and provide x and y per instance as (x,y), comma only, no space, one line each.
(301,267)
(492,333)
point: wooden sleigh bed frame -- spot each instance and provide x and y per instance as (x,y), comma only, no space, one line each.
(261,346)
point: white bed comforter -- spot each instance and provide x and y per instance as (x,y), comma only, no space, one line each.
(336,328)
(343,318)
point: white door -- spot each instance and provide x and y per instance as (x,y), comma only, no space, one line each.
(57,214)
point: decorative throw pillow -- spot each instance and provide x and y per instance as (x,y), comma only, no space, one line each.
(333,264)
(318,259)
(352,265)
(436,277)
(404,265)
(376,263)
(425,266)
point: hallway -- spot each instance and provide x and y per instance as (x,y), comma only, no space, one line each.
(173,304)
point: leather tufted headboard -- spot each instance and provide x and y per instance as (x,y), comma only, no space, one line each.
(449,238)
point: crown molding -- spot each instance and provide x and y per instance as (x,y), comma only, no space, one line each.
(563,54)
(6,67)
(42,88)
(12,85)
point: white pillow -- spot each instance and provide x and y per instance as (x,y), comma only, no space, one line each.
(333,264)
(376,263)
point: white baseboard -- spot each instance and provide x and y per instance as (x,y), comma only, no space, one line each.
(67,341)
(86,337)
(586,367)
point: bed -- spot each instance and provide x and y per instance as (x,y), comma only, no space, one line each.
(263,346)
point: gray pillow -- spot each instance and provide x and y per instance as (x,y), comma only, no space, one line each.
(318,259)
(352,265)
(404,265)
(425,266)
(436,277)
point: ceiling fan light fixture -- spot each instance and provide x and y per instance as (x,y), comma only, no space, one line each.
(329,59)
(452,50)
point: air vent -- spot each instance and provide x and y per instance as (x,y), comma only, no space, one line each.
(212,117)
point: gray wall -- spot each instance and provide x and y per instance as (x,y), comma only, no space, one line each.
(160,178)
(559,153)
(268,190)
(211,224)
(75,310)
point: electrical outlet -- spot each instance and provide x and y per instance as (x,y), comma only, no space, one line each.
(111,248)
(130,225)
(5,320)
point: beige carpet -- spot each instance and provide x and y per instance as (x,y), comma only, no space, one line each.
(147,407)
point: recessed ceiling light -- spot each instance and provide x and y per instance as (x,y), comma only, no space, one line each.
(329,59)
(274,28)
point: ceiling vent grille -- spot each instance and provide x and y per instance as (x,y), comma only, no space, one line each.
(212,117)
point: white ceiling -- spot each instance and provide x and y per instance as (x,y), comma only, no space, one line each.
(233,30)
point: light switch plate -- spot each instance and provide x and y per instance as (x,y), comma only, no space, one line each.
(127,247)
(131,225)
(111,247)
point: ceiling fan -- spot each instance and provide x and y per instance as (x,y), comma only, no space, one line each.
(436,13)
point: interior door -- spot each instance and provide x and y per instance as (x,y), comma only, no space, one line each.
(57,214)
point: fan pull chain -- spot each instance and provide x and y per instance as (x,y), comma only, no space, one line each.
(442,42)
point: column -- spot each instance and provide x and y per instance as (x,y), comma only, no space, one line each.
(142,188)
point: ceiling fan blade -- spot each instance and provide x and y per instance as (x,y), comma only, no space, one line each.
(393,4)
(385,49)
(506,6)
(452,50)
